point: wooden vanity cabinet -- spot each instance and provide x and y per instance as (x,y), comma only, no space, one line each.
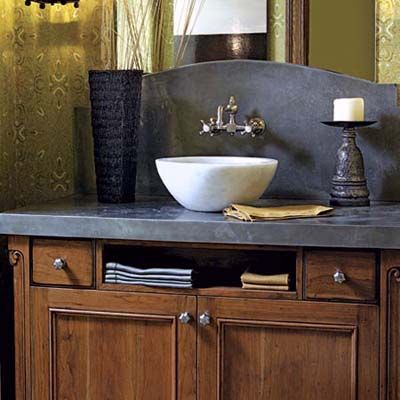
(86,345)
(100,343)
(275,350)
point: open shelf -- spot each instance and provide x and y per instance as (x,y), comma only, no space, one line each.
(224,262)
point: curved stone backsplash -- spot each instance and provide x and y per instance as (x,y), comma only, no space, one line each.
(293,99)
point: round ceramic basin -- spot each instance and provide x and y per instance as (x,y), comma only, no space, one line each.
(212,183)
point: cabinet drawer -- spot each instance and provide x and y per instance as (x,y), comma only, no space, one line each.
(342,275)
(62,262)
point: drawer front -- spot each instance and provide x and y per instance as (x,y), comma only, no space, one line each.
(341,275)
(62,262)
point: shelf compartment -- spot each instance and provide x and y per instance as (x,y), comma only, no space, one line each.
(232,259)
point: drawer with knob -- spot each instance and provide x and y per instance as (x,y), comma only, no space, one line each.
(62,262)
(341,275)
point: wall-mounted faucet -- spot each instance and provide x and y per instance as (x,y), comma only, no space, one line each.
(216,126)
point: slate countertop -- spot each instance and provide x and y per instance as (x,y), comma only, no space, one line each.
(161,219)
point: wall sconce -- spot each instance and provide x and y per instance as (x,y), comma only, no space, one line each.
(42,3)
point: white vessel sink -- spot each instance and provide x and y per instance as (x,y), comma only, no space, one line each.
(213,183)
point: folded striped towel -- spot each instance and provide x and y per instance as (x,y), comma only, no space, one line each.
(161,277)
(152,283)
(184,278)
(154,277)
(113,266)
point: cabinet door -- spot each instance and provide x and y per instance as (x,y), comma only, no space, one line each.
(100,346)
(279,350)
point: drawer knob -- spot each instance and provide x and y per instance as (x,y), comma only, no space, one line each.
(59,264)
(205,319)
(339,277)
(185,318)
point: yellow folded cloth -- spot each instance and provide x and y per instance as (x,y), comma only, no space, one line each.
(251,214)
(258,279)
(266,287)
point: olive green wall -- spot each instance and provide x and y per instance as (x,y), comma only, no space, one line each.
(343,36)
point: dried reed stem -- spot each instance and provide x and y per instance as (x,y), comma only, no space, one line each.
(134,34)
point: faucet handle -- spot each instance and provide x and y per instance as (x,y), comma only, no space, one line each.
(214,128)
(248,129)
(205,129)
(255,127)
(210,127)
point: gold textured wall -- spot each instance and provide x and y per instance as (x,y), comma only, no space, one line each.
(277,30)
(388,41)
(44,59)
(7,91)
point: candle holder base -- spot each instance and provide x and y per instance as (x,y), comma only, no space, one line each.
(349,186)
(349,202)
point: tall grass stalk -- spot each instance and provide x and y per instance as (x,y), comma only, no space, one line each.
(137,34)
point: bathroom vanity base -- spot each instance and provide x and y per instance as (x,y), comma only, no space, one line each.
(333,335)
(76,334)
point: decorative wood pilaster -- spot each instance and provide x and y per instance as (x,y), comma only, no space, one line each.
(6,322)
(393,335)
(390,326)
(19,258)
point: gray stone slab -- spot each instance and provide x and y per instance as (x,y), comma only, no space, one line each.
(163,220)
(293,99)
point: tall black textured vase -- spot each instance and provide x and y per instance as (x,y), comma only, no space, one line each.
(115,99)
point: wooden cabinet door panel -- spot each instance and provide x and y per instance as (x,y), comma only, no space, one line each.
(284,350)
(120,347)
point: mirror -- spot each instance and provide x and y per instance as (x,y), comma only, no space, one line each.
(224,30)
(334,35)
(235,29)
(337,35)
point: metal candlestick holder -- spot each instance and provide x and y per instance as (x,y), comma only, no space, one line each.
(349,185)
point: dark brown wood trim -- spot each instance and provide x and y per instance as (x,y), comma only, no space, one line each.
(390,322)
(19,258)
(297,31)
(6,323)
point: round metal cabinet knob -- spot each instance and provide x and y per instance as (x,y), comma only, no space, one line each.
(339,277)
(59,264)
(205,319)
(185,318)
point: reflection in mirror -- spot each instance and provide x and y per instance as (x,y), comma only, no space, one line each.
(179,32)
(224,30)
(236,29)
(162,34)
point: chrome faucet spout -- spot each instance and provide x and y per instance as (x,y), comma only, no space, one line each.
(220,117)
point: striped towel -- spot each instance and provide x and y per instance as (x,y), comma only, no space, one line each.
(157,277)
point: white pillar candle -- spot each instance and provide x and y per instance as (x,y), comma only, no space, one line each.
(348,110)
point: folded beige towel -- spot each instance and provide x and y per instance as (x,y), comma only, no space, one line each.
(251,214)
(265,287)
(258,279)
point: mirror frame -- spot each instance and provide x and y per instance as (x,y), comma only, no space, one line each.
(297,31)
